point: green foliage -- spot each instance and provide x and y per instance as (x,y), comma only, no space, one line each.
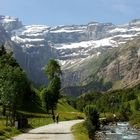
(135,120)
(92,115)
(92,120)
(64,106)
(7,58)
(71,101)
(87,99)
(125,111)
(80,131)
(107,102)
(2,50)
(39,121)
(52,69)
(136,105)
(54,87)
(90,128)
(49,99)
(37,118)
(123,103)
(51,94)
(8,132)
(13,83)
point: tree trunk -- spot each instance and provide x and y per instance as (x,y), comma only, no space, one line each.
(52,111)
(13,114)
(4,110)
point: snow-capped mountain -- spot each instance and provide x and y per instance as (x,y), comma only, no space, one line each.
(71,45)
(10,23)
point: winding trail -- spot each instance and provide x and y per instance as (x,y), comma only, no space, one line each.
(60,131)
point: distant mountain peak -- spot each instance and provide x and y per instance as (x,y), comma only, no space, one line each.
(135,22)
(7,19)
(10,23)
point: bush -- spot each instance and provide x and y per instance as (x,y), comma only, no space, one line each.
(109,117)
(92,115)
(92,120)
(90,128)
(135,120)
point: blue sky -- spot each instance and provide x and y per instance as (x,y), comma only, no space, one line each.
(61,12)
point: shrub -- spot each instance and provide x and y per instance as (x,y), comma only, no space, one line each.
(92,120)
(92,115)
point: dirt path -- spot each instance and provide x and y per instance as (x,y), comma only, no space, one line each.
(60,131)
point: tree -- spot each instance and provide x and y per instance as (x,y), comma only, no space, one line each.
(14,84)
(53,69)
(92,120)
(125,111)
(92,115)
(46,99)
(2,50)
(136,104)
(51,95)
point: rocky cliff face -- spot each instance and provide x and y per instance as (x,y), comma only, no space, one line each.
(125,68)
(115,69)
(78,48)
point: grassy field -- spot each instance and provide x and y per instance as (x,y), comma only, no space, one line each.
(66,112)
(63,106)
(80,132)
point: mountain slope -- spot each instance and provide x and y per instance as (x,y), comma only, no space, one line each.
(86,53)
(116,68)
(70,45)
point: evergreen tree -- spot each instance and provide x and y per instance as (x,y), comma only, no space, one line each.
(2,50)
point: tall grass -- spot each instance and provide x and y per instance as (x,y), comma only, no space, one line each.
(80,132)
(7,132)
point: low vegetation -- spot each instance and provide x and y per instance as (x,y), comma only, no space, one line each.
(80,132)
(135,120)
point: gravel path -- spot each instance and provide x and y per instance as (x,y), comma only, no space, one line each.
(60,131)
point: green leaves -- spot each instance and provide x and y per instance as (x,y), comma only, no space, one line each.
(50,94)
(92,115)
(92,120)
(136,104)
(2,50)
(13,83)
(52,69)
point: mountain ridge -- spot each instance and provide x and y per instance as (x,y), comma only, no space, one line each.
(74,46)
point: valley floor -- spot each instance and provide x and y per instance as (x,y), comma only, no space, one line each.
(60,131)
